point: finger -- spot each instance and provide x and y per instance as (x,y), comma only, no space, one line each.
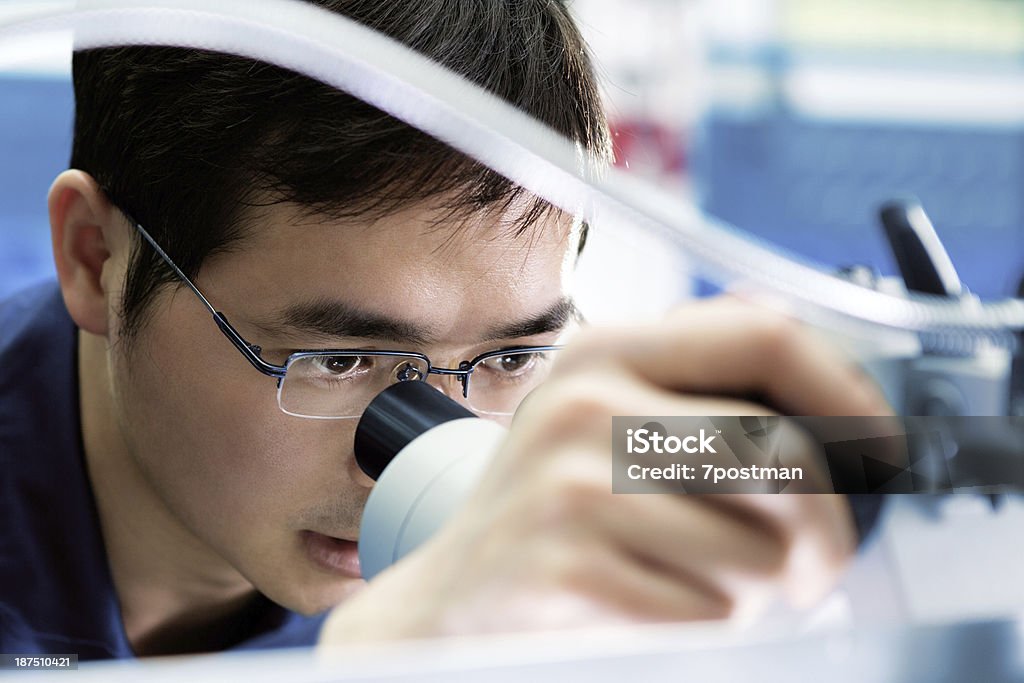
(711,548)
(727,346)
(643,591)
(579,409)
(702,546)
(817,531)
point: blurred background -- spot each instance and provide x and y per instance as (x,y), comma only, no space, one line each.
(792,119)
(796,119)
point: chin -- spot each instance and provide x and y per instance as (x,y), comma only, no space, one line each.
(317,597)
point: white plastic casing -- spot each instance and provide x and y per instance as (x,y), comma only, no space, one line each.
(421,488)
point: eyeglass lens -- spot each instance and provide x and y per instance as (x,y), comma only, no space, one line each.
(342,385)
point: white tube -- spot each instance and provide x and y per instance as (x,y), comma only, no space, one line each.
(422,488)
(342,53)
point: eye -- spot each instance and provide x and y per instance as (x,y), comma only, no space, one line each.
(342,366)
(513,364)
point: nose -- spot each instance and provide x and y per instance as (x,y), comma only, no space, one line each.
(450,386)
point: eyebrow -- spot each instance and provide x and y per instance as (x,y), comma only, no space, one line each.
(555,318)
(332,318)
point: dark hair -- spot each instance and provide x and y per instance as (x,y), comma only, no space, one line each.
(184,140)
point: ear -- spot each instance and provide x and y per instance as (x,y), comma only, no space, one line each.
(86,232)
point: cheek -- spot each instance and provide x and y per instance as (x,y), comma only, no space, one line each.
(208,433)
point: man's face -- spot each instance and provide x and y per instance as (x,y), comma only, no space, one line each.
(269,492)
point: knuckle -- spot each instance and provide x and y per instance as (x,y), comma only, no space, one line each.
(583,404)
(593,347)
(718,606)
(778,335)
(568,569)
(596,339)
(586,344)
(869,392)
(774,560)
(569,500)
(571,407)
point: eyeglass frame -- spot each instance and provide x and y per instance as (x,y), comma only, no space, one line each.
(252,352)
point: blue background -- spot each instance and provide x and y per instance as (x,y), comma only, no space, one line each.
(36,116)
(810,186)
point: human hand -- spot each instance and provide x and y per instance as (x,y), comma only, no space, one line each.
(544,543)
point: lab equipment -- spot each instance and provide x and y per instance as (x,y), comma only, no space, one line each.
(426,453)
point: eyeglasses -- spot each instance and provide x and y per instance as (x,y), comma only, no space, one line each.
(339,384)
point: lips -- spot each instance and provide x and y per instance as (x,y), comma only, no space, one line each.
(335,555)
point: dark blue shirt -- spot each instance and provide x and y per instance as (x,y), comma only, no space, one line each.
(56,591)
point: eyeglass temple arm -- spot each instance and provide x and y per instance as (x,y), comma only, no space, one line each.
(250,351)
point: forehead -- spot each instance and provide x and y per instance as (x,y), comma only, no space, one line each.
(441,272)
